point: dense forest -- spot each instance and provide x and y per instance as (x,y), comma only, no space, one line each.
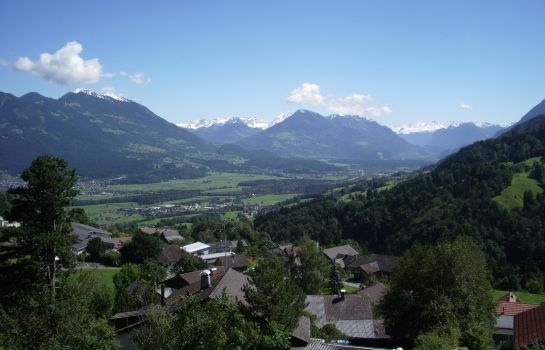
(453,199)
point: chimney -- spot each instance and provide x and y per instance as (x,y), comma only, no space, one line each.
(343,293)
(163,294)
(213,271)
(205,279)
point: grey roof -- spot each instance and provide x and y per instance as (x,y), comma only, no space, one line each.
(372,263)
(356,328)
(231,282)
(235,261)
(84,233)
(340,251)
(375,292)
(505,321)
(353,315)
(319,344)
(302,331)
(171,235)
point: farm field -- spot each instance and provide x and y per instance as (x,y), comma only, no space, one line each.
(220,193)
(269,199)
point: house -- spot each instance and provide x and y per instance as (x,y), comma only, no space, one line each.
(373,264)
(340,252)
(352,314)
(214,284)
(529,327)
(226,246)
(169,255)
(507,309)
(84,233)
(211,258)
(197,248)
(236,262)
(184,279)
(211,284)
(169,235)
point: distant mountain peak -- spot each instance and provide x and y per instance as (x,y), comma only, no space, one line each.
(251,122)
(423,127)
(105,95)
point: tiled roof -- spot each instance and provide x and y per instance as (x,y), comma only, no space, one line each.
(231,282)
(334,252)
(353,307)
(529,327)
(170,254)
(511,309)
(235,261)
(375,292)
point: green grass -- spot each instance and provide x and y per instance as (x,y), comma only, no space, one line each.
(269,199)
(350,289)
(213,181)
(99,209)
(528,298)
(231,215)
(107,275)
(389,185)
(512,196)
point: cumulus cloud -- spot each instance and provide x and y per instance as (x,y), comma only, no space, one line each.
(65,66)
(465,106)
(310,94)
(306,94)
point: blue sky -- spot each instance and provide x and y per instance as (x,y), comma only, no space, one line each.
(396,61)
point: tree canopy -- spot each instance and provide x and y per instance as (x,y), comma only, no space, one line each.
(438,289)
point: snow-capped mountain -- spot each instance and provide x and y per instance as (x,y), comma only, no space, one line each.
(423,127)
(104,95)
(251,122)
(280,118)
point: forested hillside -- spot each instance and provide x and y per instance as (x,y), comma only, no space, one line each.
(455,198)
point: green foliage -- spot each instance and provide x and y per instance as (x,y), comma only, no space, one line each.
(95,248)
(439,339)
(328,332)
(189,263)
(5,205)
(192,328)
(128,273)
(78,215)
(534,286)
(40,208)
(440,287)
(140,248)
(455,198)
(275,300)
(314,269)
(153,272)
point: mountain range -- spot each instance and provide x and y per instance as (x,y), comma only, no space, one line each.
(436,138)
(447,140)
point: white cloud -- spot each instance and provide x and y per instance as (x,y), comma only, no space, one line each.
(139,78)
(65,66)
(306,94)
(310,94)
(465,106)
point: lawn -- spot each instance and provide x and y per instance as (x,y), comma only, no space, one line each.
(107,275)
(524,296)
(269,199)
(512,196)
